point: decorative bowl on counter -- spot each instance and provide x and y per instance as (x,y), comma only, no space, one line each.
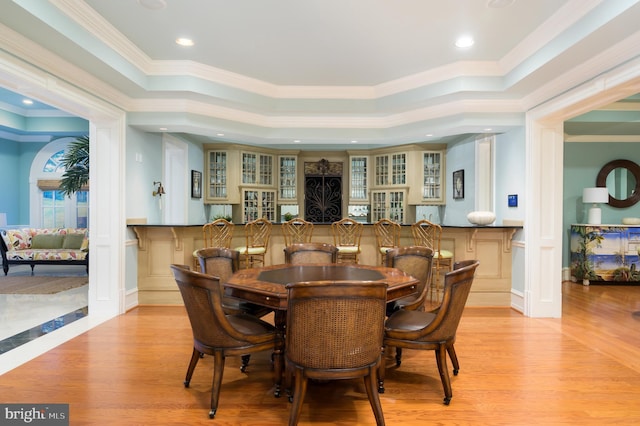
(481,218)
(631,220)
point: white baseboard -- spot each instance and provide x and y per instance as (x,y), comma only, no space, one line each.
(517,301)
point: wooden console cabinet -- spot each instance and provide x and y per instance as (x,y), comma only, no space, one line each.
(606,253)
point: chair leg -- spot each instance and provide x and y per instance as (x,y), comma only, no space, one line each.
(454,359)
(195,356)
(218,369)
(288,381)
(374,399)
(441,360)
(398,357)
(299,390)
(245,362)
(381,371)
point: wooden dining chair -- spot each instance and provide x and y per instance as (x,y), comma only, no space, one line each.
(346,237)
(387,236)
(297,230)
(429,234)
(306,253)
(334,331)
(218,233)
(222,263)
(257,234)
(214,332)
(434,330)
(416,261)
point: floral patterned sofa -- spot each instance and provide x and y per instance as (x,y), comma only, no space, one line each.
(45,246)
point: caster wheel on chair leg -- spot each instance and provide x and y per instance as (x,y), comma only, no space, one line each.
(212,414)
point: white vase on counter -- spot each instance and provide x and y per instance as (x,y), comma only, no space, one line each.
(481,217)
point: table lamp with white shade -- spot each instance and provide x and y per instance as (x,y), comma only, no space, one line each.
(595,196)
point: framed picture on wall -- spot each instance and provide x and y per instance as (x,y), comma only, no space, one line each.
(196,184)
(458,184)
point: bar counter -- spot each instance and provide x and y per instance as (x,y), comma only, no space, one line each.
(161,245)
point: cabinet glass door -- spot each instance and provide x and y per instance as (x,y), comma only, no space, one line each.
(382,170)
(396,206)
(287,185)
(257,204)
(358,178)
(268,204)
(387,205)
(251,206)
(217,174)
(266,170)
(249,168)
(378,206)
(398,169)
(432,185)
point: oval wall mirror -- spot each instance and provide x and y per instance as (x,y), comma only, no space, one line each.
(622,180)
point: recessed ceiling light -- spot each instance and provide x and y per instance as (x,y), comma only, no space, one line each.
(162,129)
(429,135)
(488,129)
(296,141)
(27,101)
(220,134)
(354,141)
(186,42)
(464,42)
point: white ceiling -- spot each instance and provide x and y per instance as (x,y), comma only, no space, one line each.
(327,72)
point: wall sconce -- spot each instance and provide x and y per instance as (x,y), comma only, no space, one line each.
(595,196)
(160,191)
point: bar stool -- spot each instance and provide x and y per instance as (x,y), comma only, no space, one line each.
(346,237)
(257,235)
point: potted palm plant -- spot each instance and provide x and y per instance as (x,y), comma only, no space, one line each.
(76,164)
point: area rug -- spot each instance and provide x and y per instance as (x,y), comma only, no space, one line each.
(39,284)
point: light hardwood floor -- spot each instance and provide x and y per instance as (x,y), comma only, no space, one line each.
(582,369)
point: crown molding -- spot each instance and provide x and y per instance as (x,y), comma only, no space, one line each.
(564,18)
(25,138)
(453,108)
(94,24)
(98,27)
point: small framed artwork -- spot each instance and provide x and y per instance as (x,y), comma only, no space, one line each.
(458,184)
(196,184)
(513,200)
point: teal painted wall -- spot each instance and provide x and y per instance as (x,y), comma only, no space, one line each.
(28,152)
(143,167)
(197,213)
(510,176)
(16,159)
(10,193)
(460,156)
(582,162)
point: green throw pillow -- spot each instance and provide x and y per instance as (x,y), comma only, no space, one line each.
(47,241)
(73,241)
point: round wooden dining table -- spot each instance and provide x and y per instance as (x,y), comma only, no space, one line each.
(266,286)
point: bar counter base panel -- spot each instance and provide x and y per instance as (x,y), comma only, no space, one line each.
(158,246)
